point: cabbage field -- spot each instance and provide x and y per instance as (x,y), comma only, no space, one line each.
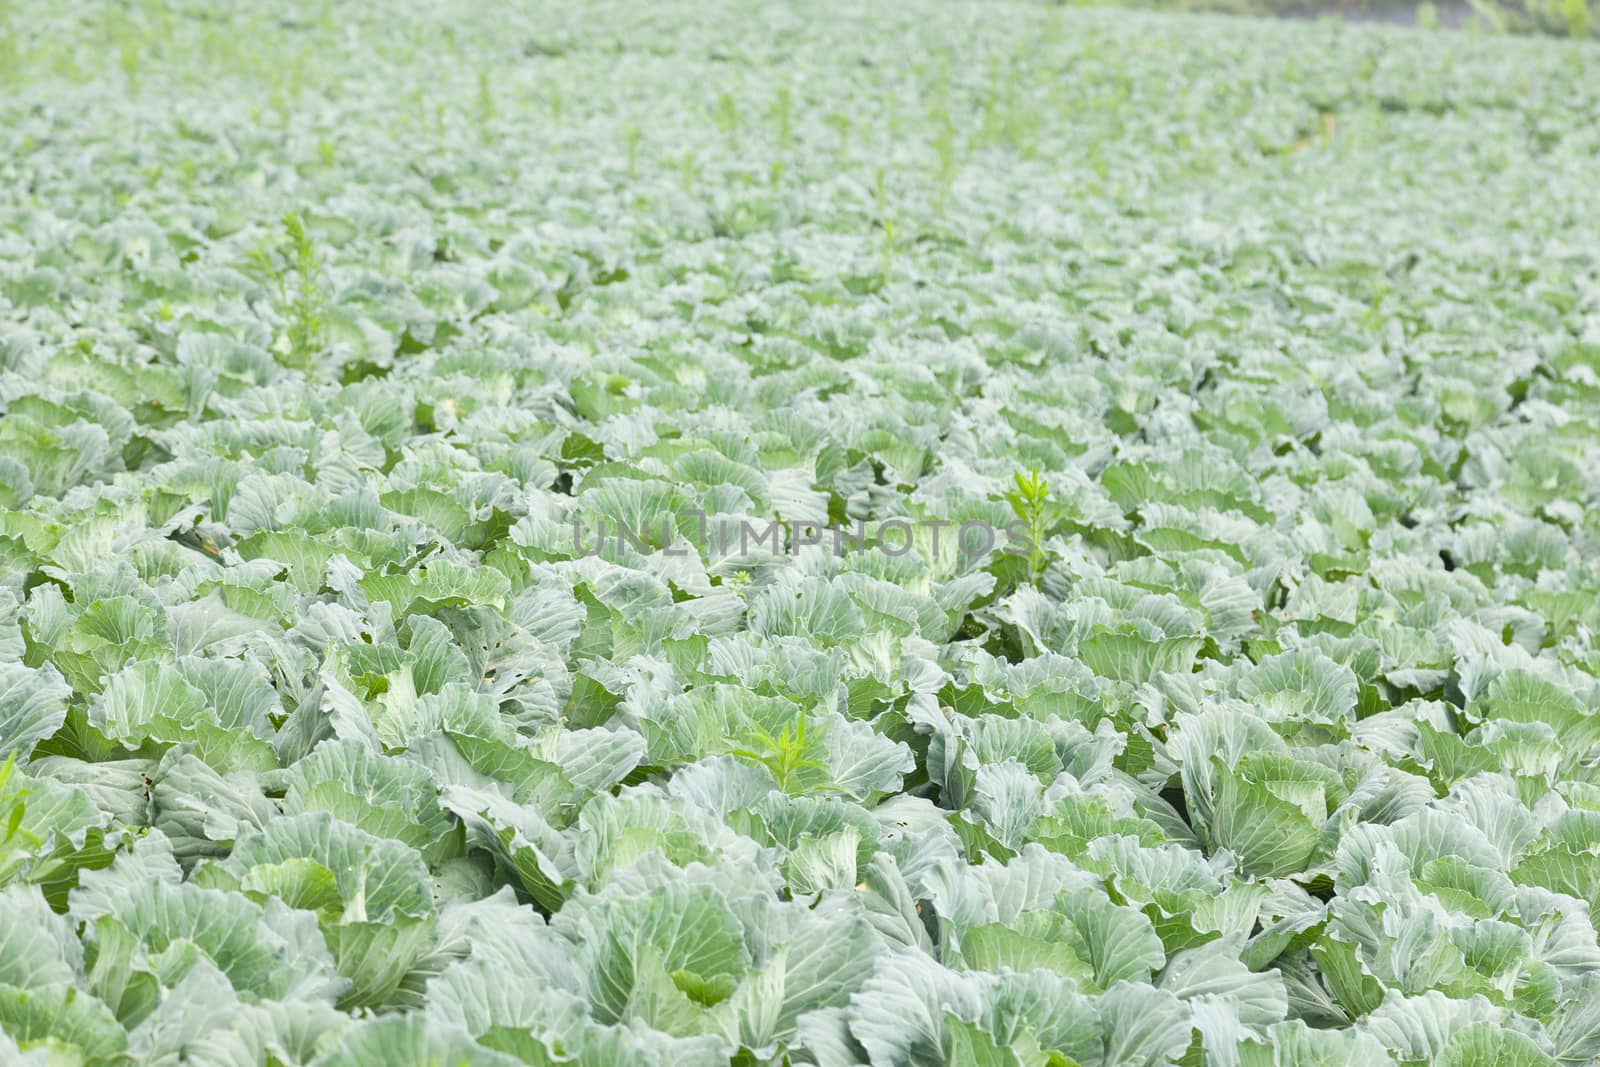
(895,535)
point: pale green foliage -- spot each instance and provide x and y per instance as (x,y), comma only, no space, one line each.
(1263,734)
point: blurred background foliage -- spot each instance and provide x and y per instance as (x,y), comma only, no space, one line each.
(1561,18)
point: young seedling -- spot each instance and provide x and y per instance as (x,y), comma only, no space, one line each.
(783,117)
(14,840)
(886,246)
(1030,503)
(784,755)
(303,311)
